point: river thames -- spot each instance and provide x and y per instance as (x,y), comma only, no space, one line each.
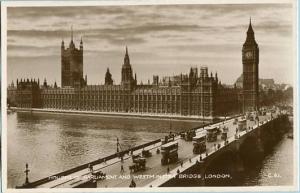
(51,143)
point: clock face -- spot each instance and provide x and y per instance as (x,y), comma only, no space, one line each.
(249,55)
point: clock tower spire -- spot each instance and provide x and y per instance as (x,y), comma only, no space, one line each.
(250,58)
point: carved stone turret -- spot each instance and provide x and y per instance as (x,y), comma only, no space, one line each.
(108,78)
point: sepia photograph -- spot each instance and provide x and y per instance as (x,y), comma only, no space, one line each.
(149,96)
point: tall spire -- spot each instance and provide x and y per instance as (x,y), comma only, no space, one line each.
(250,39)
(127,78)
(72,45)
(250,30)
(81,44)
(126,58)
(108,78)
(72,33)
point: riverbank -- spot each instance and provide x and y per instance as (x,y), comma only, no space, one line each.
(119,114)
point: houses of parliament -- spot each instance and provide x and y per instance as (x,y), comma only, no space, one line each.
(196,93)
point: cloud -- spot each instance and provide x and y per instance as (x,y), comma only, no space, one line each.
(270,27)
(115,36)
(65,11)
(166,36)
(32,51)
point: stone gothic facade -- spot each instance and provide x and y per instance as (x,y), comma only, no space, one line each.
(72,65)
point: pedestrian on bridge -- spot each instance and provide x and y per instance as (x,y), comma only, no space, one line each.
(90,168)
(122,168)
(157,151)
(132,184)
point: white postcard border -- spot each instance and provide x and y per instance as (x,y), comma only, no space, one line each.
(6,4)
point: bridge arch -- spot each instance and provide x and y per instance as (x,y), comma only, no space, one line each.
(220,170)
(251,150)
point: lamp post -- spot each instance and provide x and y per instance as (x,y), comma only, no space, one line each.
(202,107)
(26,172)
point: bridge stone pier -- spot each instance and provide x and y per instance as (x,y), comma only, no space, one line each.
(224,164)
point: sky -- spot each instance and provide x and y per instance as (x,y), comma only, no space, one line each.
(162,40)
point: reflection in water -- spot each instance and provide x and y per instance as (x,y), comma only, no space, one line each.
(51,143)
(276,169)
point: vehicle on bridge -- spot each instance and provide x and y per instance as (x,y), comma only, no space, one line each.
(168,138)
(99,175)
(242,125)
(235,121)
(139,163)
(189,135)
(225,129)
(169,152)
(224,133)
(146,153)
(212,134)
(247,114)
(251,118)
(199,143)
(96,175)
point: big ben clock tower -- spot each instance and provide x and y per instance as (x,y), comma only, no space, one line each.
(250,57)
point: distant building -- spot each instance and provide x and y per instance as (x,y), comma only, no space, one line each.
(267,82)
(28,94)
(264,84)
(239,82)
(11,94)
